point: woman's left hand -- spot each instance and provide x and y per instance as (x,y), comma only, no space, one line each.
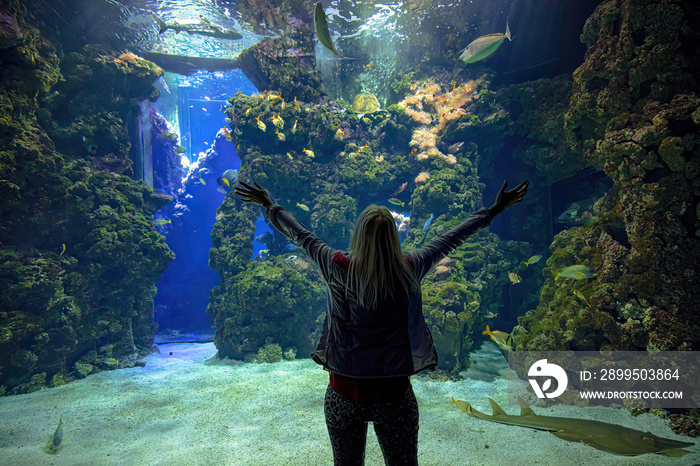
(251,194)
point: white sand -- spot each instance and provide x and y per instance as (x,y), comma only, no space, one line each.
(191,409)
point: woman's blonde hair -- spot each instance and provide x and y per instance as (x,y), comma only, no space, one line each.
(378,269)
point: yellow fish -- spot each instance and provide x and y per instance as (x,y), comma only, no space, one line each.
(533,260)
(111,362)
(502,339)
(261,125)
(303,207)
(514,278)
(289,156)
(396,201)
(63,250)
(580,296)
(227,133)
(280,136)
(161,222)
(201,180)
(294,128)
(247,112)
(308,152)
(277,121)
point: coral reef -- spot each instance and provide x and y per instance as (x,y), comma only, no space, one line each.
(335,163)
(433,110)
(633,114)
(79,252)
(287,63)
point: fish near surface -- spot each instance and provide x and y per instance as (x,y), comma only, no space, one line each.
(484,47)
(322,31)
(601,435)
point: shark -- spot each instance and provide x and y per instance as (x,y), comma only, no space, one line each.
(601,435)
(203,27)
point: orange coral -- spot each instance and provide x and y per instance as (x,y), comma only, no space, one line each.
(441,110)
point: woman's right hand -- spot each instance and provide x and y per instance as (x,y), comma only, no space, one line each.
(507,199)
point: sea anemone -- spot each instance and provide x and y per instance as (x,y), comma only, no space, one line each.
(422,177)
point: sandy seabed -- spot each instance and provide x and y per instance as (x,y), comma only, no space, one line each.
(186,407)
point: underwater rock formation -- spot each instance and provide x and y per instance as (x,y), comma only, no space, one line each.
(327,167)
(79,255)
(537,109)
(634,113)
(287,64)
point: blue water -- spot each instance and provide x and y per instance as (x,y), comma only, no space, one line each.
(183,291)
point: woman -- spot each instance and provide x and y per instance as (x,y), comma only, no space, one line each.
(374,335)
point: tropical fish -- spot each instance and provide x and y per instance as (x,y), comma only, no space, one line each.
(289,247)
(396,201)
(294,128)
(577,213)
(169,135)
(247,112)
(580,296)
(280,136)
(228,134)
(160,222)
(265,237)
(180,149)
(502,339)
(289,156)
(454,148)
(226,180)
(484,47)
(309,152)
(533,260)
(277,121)
(569,215)
(427,222)
(400,189)
(201,180)
(63,249)
(514,278)
(322,31)
(58,434)
(50,97)
(601,435)
(290,258)
(111,362)
(261,125)
(339,134)
(203,27)
(264,253)
(577,272)
(303,207)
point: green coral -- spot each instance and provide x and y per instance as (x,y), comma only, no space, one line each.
(79,246)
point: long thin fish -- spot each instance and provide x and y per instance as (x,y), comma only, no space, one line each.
(324,35)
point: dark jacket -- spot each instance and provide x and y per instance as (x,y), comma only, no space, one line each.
(391,340)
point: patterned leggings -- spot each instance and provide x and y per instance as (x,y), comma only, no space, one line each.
(395,423)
